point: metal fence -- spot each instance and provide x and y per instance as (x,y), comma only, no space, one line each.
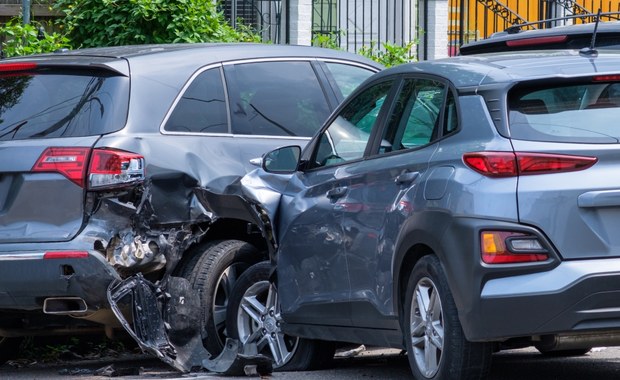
(356,23)
(263,16)
(471,20)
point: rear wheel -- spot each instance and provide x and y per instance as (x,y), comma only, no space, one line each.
(214,272)
(254,318)
(436,345)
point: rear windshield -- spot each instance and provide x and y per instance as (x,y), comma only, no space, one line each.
(47,104)
(580,113)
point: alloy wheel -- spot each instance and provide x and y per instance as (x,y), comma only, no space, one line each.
(427,327)
(259,320)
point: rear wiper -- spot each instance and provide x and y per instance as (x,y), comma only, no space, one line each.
(14,130)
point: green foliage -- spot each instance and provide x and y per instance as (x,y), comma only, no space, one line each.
(20,39)
(91,23)
(391,55)
(329,40)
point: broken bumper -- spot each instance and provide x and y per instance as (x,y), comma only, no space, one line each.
(56,282)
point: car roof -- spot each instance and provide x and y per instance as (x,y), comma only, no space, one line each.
(495,68)
(198,54)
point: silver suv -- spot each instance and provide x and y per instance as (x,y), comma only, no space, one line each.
(450,208)
(101,151)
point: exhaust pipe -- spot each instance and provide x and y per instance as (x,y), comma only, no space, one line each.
(64,305)
(578,341)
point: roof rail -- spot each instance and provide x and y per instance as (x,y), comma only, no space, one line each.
(517,27)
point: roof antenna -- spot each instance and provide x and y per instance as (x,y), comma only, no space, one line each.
(591,51)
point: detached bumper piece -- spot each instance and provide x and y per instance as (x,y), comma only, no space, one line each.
(166,318)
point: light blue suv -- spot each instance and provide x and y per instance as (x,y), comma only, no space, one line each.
(451,208)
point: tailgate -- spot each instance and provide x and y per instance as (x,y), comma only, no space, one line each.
(50,118)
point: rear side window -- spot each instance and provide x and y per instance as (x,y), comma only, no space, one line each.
(347,77)
(277,99)
(202,108)
(578,113)
(48,104)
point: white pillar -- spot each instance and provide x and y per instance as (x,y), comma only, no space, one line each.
(436,29)
(300,22)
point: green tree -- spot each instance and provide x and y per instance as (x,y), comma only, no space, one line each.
(20,39)
(91,23)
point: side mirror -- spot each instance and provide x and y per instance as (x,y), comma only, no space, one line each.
(282,160)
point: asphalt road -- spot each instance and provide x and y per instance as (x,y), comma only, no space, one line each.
(375,364)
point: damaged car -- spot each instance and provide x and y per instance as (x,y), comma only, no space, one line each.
(102,152)
(450,208)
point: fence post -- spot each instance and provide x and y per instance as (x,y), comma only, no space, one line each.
(436,29)
(300,22)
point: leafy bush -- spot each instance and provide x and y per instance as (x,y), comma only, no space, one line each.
(392,54)
(91,23)
(20,39)
(329,40)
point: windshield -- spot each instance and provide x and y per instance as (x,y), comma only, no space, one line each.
(569,113)
(46,104)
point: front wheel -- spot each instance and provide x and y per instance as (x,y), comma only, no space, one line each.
(436,345)
(254,318)
(213,271)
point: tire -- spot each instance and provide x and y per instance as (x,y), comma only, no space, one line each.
(254,317)
(213,272)
(436,345)
(9,348)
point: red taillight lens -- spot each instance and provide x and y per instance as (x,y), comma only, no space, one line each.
(70,162)
(65,255)
(492,164)
(12,67)
(606,78)
(110,168)
(508,164)
(505,247)
(536,41)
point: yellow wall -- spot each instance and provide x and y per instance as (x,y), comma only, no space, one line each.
(480,22)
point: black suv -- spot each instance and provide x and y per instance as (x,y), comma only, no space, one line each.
(100,153)
(534,35)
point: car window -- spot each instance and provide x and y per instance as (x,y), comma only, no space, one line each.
(202,108)
(347,136)
(62,103)
(347,77)
(416,116)
(577,113)
(277,99)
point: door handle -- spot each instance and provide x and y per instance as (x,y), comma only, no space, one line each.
(336,192)
(406,178)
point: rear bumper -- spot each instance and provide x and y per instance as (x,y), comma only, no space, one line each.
(27,279)
(502,301)
(574,297)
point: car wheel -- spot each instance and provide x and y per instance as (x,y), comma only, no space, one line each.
(9,348)
(254,318)
(214,274)
(435,342)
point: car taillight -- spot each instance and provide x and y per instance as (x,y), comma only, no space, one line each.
(506,247)
(65,255)
(111,168)
(509,164)
(536,41)
(108,168)
(70,162)
(21,66)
